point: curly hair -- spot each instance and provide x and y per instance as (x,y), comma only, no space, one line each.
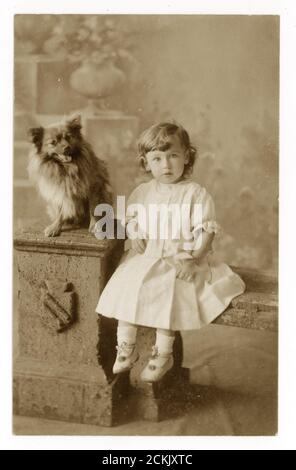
(157,137)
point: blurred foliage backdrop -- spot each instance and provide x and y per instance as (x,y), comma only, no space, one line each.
(216,75)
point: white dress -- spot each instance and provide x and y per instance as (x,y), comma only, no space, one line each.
(144,289)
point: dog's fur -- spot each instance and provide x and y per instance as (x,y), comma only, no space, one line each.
(68,174)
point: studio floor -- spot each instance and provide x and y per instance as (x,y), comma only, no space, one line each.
(238,367)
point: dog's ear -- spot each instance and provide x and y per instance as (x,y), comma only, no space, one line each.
(36,136)
(74,123)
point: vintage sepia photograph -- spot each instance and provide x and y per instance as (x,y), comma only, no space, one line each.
(145,224)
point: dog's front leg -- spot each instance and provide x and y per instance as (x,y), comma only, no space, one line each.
(54,229)
(93,202)
(99,196)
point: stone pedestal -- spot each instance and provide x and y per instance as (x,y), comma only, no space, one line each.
(58,370)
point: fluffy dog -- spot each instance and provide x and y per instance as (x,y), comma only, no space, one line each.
(68,174)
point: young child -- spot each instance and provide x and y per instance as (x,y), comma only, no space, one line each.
(166,282)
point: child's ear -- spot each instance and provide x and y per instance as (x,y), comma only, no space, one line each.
(35,135)
(187,157)
(143,163)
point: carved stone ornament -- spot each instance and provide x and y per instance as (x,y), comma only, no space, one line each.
(58,305)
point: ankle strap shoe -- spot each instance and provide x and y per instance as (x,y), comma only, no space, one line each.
(126,357)
(158,365)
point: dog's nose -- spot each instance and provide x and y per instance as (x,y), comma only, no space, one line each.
(67,150)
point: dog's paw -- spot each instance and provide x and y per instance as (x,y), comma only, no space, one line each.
(92,225)
(52,231)
(92,228)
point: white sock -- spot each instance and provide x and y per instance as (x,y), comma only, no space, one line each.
(126,334)
(164,343)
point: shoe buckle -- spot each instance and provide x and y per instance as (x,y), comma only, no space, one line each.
(154,354)
(121,358)
(121,350)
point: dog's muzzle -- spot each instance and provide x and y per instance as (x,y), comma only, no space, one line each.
(62,157)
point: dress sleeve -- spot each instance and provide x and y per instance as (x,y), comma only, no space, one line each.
(203,214)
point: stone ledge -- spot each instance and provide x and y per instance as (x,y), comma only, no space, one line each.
(257,308)
(242,318)
(256,302)
(77,242)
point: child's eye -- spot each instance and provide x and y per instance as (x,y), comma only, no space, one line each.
(156,159)
(174,155)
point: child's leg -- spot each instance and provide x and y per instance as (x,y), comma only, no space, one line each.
(126,347)
(162,356)
(126,333)
(164,341)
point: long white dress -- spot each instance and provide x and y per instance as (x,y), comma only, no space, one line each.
(144,289)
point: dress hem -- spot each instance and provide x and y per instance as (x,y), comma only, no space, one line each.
(165,327)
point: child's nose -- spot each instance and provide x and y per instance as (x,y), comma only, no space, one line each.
(166,162)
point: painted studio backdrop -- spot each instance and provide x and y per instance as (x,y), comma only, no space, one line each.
(216,75)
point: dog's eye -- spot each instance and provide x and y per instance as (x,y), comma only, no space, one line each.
(53,142)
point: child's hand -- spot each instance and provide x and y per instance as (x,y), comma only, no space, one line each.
(186,270)
(138,245)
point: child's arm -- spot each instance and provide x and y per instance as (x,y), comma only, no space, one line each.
(134,236)
(137,243)
(187,268)
(206,246)
(202,240)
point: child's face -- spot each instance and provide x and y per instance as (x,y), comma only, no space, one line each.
(167,166)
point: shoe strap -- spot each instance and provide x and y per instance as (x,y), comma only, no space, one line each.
(155,354)
(125,348)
